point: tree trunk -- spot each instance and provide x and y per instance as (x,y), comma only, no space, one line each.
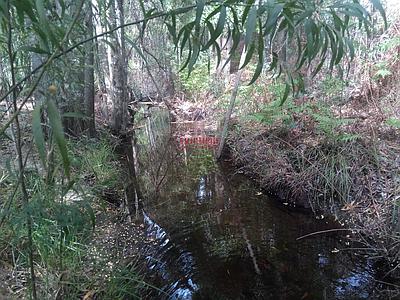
(89,77)
(120,92)
(229,111)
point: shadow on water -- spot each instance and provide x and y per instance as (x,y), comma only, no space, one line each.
(216,236)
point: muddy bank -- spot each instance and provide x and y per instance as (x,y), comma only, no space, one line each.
(356,181)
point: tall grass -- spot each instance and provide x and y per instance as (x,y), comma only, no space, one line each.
(63,223)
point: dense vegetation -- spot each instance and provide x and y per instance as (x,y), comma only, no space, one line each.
(314,84)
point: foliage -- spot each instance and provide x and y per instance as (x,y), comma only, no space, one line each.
(197,83)
(332,86)
(312,27)
(200,163)
(291,115)
(95,162)
(43,47)
(382,70)
(124,283)
(394,122)
(62,219)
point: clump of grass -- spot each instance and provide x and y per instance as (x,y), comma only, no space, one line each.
(124,283)
(63,222)
(95,163)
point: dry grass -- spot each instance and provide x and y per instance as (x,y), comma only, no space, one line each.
(355,181)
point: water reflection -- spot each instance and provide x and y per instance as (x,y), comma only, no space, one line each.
(216,237)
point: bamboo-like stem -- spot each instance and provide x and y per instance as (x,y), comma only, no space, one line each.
(18,146)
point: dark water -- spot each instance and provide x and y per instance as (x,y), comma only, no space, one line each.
(216,236)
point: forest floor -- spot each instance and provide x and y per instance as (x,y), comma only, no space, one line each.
(96,261)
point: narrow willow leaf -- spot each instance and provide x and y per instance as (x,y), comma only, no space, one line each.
(260,50)
(199,12)
(172,32)
(218,50)
(272,20)
(43,21)
(221,21)
(26,7)
(41,11)
(378,5)
(236,40)
(188,57)
(193,57)
(319,67)
(213,13)
(340,48)
(185,39)
(310,37)
(172,29)
(5,135)
(248,6)
(58,133)
(285,94)
(137,49)
(250,25)
(38,135)
(234,16)
(214,34)
(249,55)
(34,49)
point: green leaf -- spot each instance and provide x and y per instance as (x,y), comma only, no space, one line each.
(199,12)
(38,135)
(249,55)
(260,50)
(35,50)
(249,5)
(285,94)
(41,11)
(218,50)
(378,5)
(319,67)
(6,136)
(193,57)
(25,6)
(221,22)
(58,133)
(188,57)
(215,33)
(137,49)
(272,20)
(250,25)
(236,40)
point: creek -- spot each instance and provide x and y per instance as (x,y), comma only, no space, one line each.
(215,235)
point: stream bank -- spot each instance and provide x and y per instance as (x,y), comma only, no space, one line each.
(353,181)
(211,233)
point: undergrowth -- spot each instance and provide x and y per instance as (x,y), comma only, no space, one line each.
(63,221)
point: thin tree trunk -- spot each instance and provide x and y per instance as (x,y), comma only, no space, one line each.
(120,94)
(229,111)
(89,77)
(18,141)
